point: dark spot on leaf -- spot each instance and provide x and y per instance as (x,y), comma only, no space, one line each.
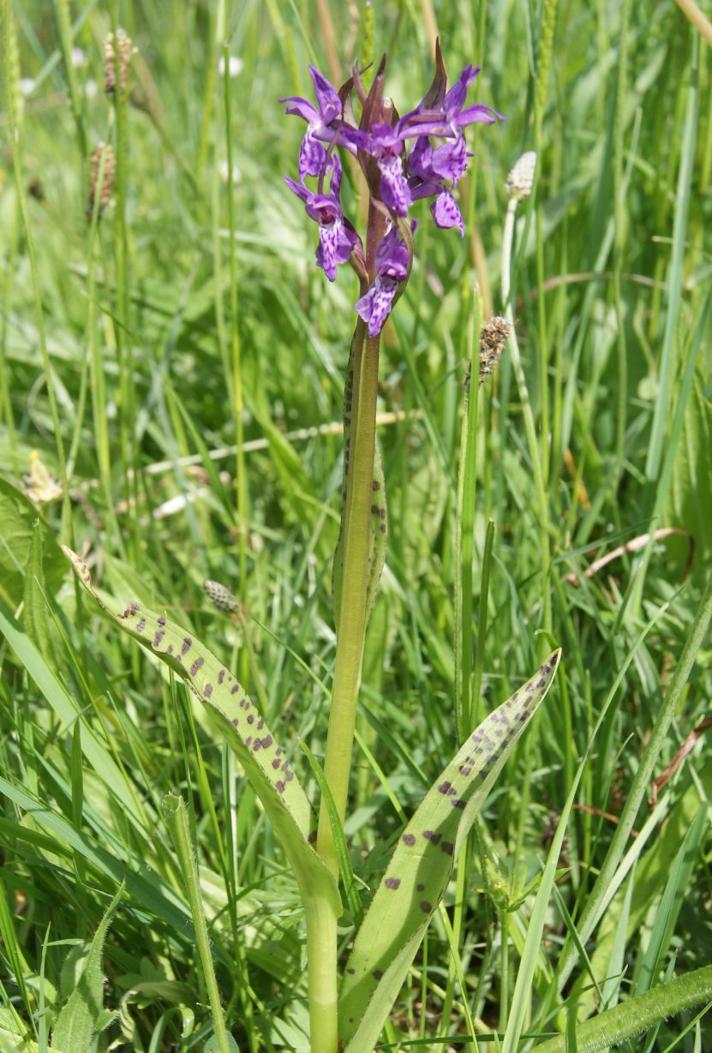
(141,625)
(392,882)
(429,835)
(447,847)
(420,887)
(377,974)
(208,690)
(196,666)
(445,788)
(459,803)
(266,742)
(275,764)
(408,839)
(234,689)
(162,620)
(187,644)
(250,719)
(279,786)
(312,841)
(157,638)
(425,906)
(221,676)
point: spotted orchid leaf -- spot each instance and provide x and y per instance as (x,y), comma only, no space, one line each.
(378,523)
(421,865)
(264,762)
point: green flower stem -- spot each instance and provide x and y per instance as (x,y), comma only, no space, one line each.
(322,975)
(352,617)
(637,1015)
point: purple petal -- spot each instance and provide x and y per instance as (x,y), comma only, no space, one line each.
(392,257)
(446,213)
(326,95)
(297,188)
(301,108)
(312,156)
(395,193)
(455,98)
(336,244)
(377,304)
(478,113)
(450,160)
(420,159)
(336,173)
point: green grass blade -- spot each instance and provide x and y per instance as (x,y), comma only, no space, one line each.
(420,868)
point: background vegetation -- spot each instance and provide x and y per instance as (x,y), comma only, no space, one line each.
(129,345)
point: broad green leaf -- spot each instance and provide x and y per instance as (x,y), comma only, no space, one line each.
(82,1016)
(17,520)
(264,762)
(420,867)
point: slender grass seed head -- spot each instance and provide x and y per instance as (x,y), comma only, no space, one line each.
(493,338)
(520,181)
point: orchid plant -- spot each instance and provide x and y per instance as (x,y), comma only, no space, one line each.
(421,155)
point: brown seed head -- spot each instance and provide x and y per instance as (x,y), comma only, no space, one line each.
(493,337)
(125,49)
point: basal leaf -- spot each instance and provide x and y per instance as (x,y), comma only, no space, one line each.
(420,867)
(264,762)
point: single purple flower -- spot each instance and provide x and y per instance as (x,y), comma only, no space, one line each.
(392,265)
(337,238)
(324,124)
(385,143)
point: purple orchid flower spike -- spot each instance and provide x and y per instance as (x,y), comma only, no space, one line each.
(337,238)
(324,124)
(392,268)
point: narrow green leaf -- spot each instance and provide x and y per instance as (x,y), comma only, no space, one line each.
(81,1017)
(420,868)
(34,607)
(264,762)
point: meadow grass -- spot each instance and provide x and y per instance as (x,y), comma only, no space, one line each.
(176,361)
